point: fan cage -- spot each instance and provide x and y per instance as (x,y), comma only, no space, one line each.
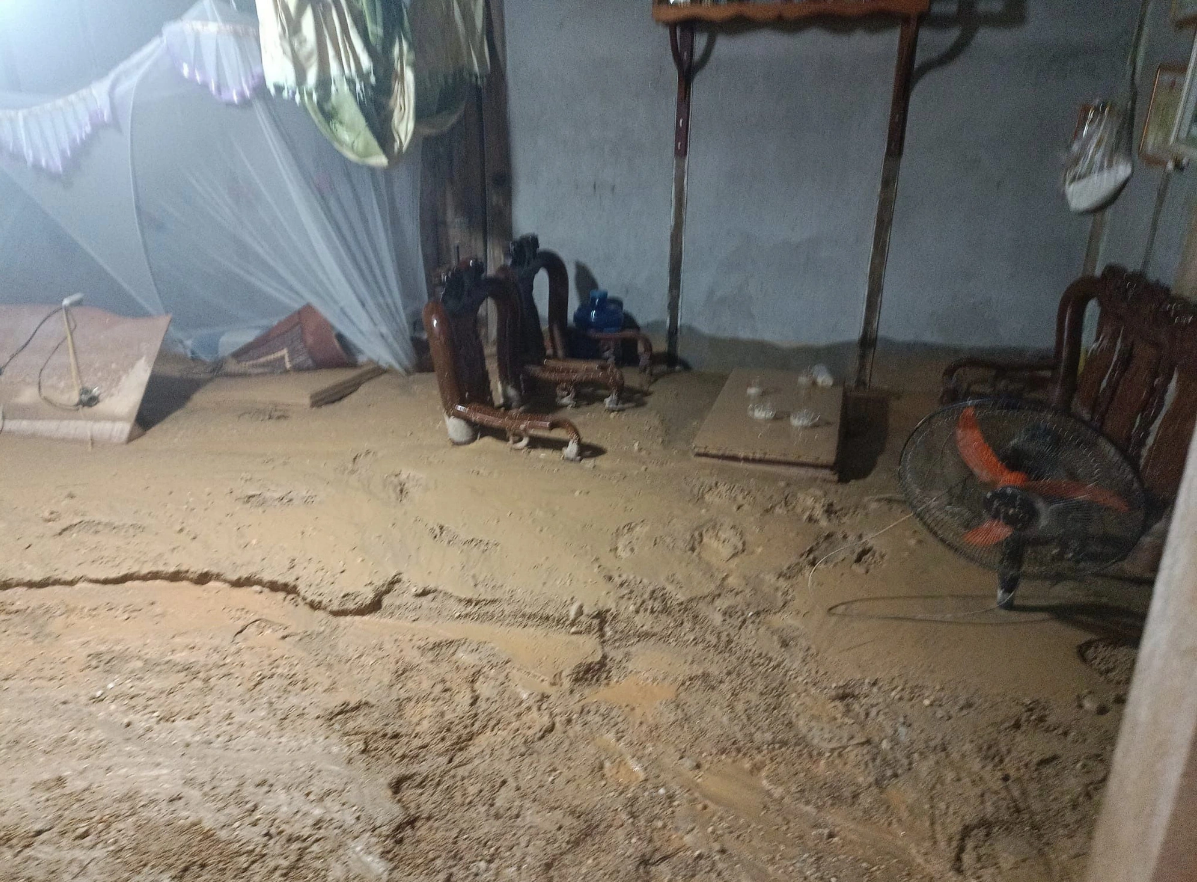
(1069,537)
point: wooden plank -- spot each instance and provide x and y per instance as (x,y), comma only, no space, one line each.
(342,388)
(1146,831)
(790,10)
(296,390)
(37,388)
(729,432)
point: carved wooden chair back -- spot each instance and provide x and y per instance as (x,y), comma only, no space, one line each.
(1138,385)
(451,320)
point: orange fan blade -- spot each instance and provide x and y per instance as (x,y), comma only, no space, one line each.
(989,533)
(979,456)
(1076,490)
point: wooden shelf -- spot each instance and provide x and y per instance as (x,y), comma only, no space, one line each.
(784,10)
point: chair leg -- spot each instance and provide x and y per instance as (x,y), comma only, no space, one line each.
(460,431)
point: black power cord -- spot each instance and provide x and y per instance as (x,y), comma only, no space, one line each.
(29,340)
(87,397)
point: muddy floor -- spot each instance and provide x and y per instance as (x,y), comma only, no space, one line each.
(265,642)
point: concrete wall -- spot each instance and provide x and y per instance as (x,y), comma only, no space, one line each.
(1130,217)
(788,137)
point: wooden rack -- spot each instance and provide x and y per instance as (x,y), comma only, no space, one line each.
(683,19)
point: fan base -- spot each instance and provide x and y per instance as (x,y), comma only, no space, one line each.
(1007,586)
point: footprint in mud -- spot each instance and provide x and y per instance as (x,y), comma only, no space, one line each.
(277,498)
(265,414)
(398,485)
(717,542)
(628,539)
(837,548)
(1113,659)
(401,485)
(723,492)
(91,527)
(447,536)
(812,506)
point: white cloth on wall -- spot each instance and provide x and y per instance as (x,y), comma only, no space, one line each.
(230,217)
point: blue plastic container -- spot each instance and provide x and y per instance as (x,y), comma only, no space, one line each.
(602,313)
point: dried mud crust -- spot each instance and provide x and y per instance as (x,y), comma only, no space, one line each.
(373,657)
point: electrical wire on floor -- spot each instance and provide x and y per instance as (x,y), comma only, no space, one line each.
(72,326)
(855,543)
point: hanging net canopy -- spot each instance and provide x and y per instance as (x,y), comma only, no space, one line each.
(199,193)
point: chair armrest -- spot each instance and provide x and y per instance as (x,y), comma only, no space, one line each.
(955,389)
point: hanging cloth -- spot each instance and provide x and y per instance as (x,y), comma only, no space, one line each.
(373,73)
(452,59)
(47,134)
(349,63)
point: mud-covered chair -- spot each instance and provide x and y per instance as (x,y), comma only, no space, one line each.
(459,360)
(527,260)
(1138,384)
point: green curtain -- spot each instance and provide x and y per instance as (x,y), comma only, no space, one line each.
(372,73)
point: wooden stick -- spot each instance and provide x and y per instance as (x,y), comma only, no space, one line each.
(66,320)
(895,144)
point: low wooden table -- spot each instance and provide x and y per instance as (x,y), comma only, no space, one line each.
(730,433)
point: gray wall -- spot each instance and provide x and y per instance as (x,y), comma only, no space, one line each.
(788,137)
(1130,217)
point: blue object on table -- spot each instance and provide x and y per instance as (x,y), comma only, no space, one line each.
(602,313)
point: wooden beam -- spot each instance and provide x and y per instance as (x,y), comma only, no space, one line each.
(1147,831)
(786,10)
(895,145)
(681,44)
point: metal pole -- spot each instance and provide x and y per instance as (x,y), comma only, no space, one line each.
(895,144)
(681,42)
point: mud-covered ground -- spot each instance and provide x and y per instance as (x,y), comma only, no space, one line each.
(267,643)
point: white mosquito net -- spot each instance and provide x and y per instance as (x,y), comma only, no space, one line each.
(222,206)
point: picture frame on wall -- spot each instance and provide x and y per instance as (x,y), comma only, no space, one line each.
(1184,134)
(1155,145)
(1184,12)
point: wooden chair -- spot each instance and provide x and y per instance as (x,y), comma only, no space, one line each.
(1138,385)
(527,259)
(459,360)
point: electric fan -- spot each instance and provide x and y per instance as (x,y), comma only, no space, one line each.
(1023,489)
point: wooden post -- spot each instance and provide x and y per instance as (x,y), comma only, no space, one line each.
(681,42)
(466,181)
(496,144)
(895,144)
(1147,831)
